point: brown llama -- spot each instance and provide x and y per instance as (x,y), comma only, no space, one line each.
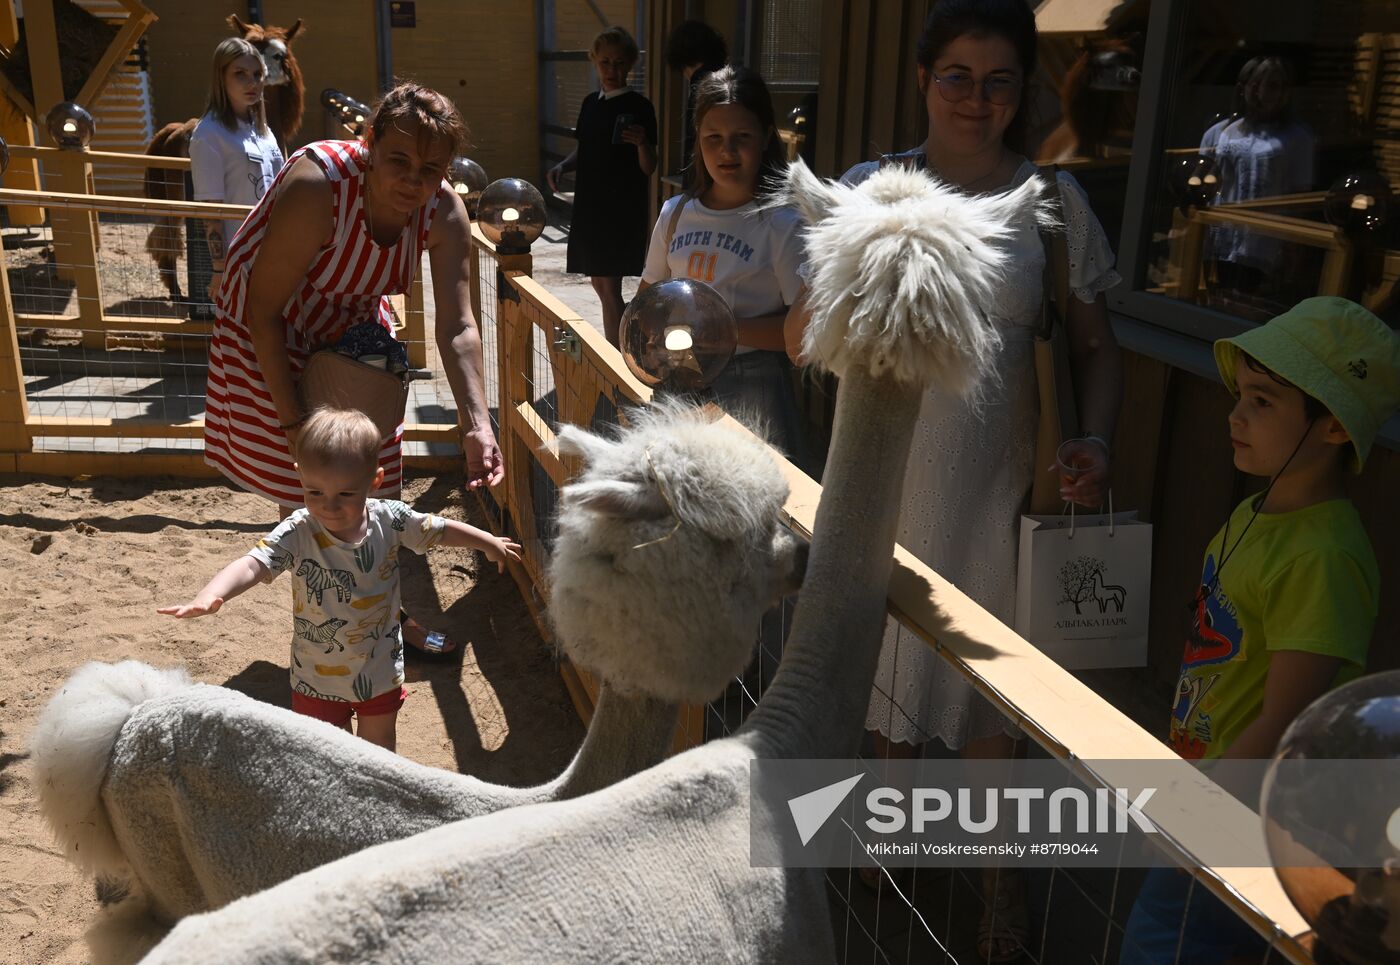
(283,98)
(1091,101)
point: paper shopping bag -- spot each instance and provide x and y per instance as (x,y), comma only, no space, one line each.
(1083,588)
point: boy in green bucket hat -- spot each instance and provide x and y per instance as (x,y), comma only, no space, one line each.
(1290,587)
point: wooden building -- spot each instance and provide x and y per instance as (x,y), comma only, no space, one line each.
(480,53)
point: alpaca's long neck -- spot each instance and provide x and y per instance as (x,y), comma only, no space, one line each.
(627,735)
(816,704)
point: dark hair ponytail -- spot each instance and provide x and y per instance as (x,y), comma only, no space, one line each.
(696,42)
(1011,20)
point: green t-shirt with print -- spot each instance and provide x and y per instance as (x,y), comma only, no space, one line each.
(1303,580)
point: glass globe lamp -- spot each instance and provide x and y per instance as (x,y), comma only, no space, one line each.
(1359,203)
(348,112)
(678,335)
(70,126)
(1331,812)
(1194,180)
(468,179)
(511,214)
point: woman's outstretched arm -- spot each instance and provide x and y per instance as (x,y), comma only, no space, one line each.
(459,339)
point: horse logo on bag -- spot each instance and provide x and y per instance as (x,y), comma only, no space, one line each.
(1082,580)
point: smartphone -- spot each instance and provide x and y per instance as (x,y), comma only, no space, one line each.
(623,122)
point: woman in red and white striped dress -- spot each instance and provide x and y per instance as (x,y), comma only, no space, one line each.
(343,225)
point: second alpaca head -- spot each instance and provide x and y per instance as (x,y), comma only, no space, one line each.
(670,549)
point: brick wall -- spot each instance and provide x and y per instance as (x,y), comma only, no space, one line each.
(482,54)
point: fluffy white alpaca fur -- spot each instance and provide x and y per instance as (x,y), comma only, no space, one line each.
(645,616)
(72,744)
(900,267)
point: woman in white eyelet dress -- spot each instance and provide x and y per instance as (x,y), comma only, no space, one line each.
(967,479)
(970,468)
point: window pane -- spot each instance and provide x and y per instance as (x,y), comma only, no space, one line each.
(789,58)
(1283,137)
(789,43)
(1082,106)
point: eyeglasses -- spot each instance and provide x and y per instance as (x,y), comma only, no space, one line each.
(998,89)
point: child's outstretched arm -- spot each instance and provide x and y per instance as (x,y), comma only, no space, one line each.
(232,580)
(497,550)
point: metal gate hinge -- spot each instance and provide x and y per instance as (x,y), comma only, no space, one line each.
(504,288)
(568,342)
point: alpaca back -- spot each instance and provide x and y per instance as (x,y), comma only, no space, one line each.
(166,238)
(670,846)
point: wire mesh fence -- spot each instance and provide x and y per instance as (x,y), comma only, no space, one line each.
(112,363)
(104,347)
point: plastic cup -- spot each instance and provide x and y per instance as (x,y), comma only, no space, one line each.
(1075,457)
(377,361)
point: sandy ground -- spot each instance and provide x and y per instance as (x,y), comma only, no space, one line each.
(86,564)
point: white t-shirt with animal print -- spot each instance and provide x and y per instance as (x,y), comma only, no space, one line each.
(347,644)
(232,166)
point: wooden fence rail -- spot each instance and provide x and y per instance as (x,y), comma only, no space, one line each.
(77,238)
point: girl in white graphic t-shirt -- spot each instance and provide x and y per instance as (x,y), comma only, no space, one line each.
(233,155)
(715,233)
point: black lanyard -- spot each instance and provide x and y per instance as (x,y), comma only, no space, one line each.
(1206,590)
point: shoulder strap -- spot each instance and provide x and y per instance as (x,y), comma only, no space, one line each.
(671,227)
(1056,284)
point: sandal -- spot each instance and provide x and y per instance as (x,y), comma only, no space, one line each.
(1004,933)
(434,643)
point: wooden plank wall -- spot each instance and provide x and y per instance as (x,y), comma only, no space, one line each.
(665,88)
(180,45)
(870,102)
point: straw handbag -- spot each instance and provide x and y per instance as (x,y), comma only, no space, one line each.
(336,380)
(1058,416)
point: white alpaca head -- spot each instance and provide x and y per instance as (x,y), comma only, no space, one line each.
(901,266)
(657,608)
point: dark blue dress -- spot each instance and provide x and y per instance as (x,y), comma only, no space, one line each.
(612,212)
